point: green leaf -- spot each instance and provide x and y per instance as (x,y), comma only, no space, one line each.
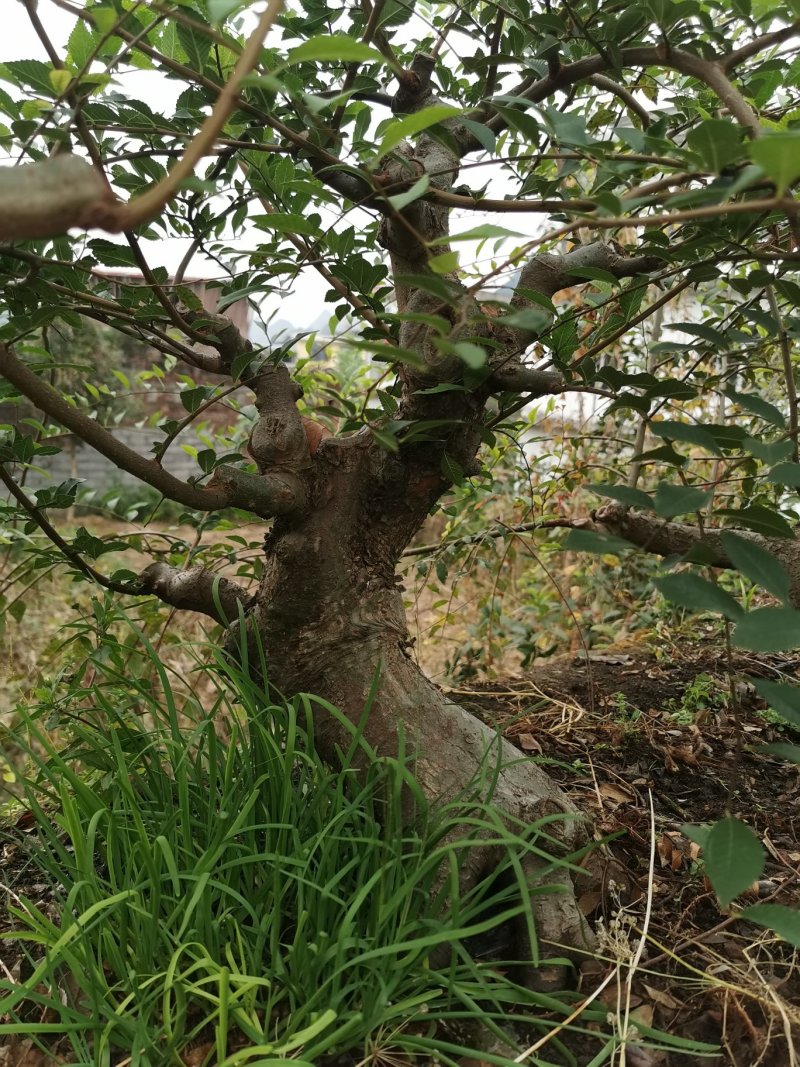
(782,749)
(478,233)
(333,47)
(767,451)
(111,254)
(624,494)
(482,134)
(399,129)
(761,519)
(473,355)
(32,72)
(717,142)
(757,564)
(587,541)
(418,189)
(672,500)
(685,431)
(758,406)
(285,223)
(784,921)
(532,319)
(768,630)
(218,10)
(734,858)
(785,474)
(696,593)
(451,470)
(778,155)
(785,699)
(195,44)
(444,263)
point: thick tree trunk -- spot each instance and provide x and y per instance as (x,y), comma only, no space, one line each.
(330,618)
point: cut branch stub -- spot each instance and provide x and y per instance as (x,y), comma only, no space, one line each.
(278,440)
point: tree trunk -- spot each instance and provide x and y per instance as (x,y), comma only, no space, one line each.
(330,617)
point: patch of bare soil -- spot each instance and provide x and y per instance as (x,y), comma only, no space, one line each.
(624,731)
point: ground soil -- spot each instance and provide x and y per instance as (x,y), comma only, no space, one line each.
(644,744)
(624,730)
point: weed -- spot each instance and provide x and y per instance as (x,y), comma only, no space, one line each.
(705,693)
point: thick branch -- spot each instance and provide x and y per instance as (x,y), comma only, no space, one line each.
(517,378)
(714,74)
(196,589)
(53,404)
(278,441)
(228,488)
(664,538)
(549,274)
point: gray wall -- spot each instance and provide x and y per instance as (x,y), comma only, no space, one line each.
(78,460)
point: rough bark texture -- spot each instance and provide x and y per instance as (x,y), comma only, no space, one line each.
(664,538)
(329,614)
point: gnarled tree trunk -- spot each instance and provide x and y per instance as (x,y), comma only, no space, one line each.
(328,611)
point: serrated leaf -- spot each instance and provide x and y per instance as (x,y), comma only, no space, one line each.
(757,564)
(672,500)
(400,129)
(195,44)
(589,541)
(785,699)
(625,494)
(734,858)
(333,47)
(768,630)
(111,254)
(784,921)
(696,593)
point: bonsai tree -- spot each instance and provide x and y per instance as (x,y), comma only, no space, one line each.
(653,147)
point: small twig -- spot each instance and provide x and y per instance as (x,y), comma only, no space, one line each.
(38,516)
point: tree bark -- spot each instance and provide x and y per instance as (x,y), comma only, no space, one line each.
(330,619)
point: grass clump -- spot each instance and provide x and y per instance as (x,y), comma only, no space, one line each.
(218,887)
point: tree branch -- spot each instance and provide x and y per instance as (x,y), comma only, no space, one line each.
(264,496)
(665,538)
(195,589)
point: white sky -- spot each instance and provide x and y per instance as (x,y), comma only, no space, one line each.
(304,304)
(19,41)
